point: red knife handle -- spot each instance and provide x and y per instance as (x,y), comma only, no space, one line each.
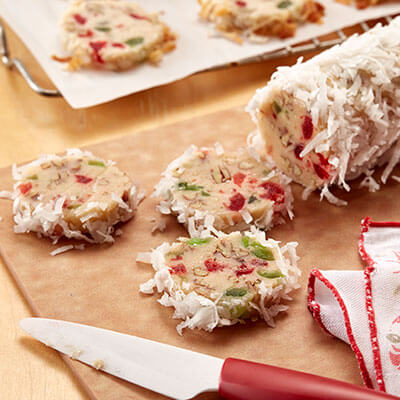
(245,380)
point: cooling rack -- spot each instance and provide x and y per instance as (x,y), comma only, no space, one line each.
(317,43)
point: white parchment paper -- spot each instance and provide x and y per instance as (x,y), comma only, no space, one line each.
(36,22)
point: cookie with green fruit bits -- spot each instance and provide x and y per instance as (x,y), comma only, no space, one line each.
(223,279)
(231,190)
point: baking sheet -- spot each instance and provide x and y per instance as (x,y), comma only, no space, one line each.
(99,286)
(36,22)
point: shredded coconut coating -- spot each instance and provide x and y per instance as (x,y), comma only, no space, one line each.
(223,279)
(77,195)
(228,190)
(259,19)
(113,34)
(336,116)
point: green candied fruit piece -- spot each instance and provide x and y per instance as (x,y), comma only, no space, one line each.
(264,253)
(246,241)
(259,250)
(198,241)
(134,41)
(103,28)
(239,312)
(33,177)
(272,274)
(73,206)
(188,186)
(96,163)
(236,292)
(204,193)
(277,108)
(284,4)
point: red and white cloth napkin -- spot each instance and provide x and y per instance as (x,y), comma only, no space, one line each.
(362,308)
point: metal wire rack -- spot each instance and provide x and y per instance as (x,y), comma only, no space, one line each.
(301,48)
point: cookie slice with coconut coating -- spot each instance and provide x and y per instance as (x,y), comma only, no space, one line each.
(259,19)
(224,279)
(77,195)
(113,34)
(233,189)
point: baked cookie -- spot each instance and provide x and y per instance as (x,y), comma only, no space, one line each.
(113,34)
(258,19)
(224,279)
(233,189)
(361,3)
(77,195)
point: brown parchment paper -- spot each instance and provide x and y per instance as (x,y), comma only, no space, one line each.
(99,286)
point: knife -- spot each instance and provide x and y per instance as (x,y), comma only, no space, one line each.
(183,374)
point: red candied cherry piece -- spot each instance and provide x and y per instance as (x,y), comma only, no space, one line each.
(97,46)
(241,3)
(87,34)
(297,151)
(237,202)
(307,127)
(321,172)
(79,19)
(243,269)
(213,266)
(323,160)
(238,178)
(67,203)
(273,191)
(24,188)
(178,269)
(83,179)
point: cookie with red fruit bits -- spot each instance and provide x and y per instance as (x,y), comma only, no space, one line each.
(229,190)
(223,279)
(259,19)
(113,34)
(77,195)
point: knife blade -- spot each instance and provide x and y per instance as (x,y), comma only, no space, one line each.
(162,368)
(182,374)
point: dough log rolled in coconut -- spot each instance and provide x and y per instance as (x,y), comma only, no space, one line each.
(77,195)
(259,19)
(332,118)
(113,34)
(230,190)
(224,279)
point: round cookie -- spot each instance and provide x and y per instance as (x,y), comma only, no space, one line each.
(113,34)
(258,19)
(77,195)
(221,280)
(234,189)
